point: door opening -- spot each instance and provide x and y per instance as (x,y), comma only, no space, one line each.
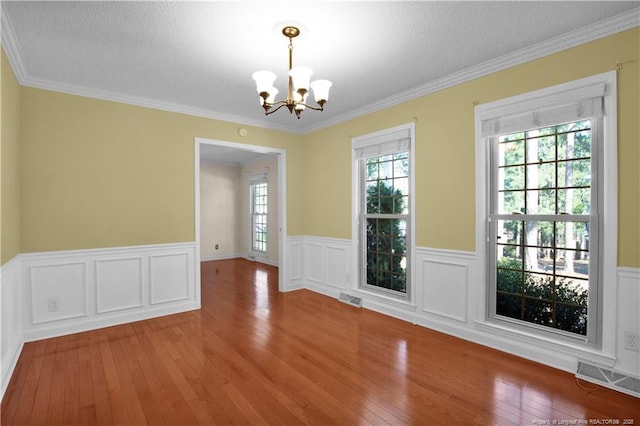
(249,159)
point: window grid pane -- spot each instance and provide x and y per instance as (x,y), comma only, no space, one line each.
(545,171)
(386,253)
(542,270)
(387,184)
(387,195)
(259,217)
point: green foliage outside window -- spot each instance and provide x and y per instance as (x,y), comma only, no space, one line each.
(386,241)
(386,237)
(542,265)
(540,299)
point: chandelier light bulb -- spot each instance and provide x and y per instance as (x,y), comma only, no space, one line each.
(321,90)
(273,92)
(264,80)
(300,101)
(301,77)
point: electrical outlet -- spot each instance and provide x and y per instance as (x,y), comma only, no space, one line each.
(217,246)
(54,305)
(632,341)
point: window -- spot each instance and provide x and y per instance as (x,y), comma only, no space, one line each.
(545,163)
(544,226)
(383,164)
(259,201)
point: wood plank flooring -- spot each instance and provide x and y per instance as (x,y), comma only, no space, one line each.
(253,355)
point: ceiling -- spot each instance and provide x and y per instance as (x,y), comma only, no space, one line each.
(230,155)
(198,57)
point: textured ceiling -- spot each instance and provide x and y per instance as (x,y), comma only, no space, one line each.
(229,155)
(198,57)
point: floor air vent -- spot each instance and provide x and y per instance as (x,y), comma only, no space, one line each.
(609,378)
(351,300)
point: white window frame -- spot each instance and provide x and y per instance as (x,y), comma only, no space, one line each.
(372,143)
(255,180)
(516,109)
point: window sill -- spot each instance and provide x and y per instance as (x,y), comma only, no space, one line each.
(381,299)
(580,351)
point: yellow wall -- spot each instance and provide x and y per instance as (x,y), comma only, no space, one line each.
(10,164)
(445,145)
(104,174)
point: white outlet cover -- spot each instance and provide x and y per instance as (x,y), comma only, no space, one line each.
(632,341)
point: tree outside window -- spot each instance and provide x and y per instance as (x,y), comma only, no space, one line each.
(386,205)
(542,269)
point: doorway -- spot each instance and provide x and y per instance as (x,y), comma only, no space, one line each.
(231,152)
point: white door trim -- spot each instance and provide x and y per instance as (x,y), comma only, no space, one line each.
(282,202)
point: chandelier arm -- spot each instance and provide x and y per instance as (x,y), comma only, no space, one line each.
(311,107)
(267,106)
(282,103)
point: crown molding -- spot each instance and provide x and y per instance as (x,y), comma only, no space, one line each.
(11,48)
(152,103)
(10,45)
(616,24)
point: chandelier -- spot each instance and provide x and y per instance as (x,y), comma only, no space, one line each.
(298,91)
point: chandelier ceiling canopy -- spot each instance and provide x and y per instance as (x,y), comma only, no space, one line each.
(299,85)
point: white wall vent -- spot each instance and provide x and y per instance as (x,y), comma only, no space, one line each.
(350,300)
(609,378)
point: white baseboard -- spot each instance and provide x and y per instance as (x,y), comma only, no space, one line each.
(448,297)
(250,257)
(220,257)
(260,259)
(63,329)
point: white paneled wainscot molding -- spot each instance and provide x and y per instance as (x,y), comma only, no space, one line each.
(295,273)
(11,336)
(72,291)
(449,296)
(628,320)
(51,294)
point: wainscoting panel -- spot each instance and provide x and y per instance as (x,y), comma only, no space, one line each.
(338,263)
(11,337)
(314,265)
(119,284)
(72,291)
(445,288)
(628,319)
(295,260)
(327,264)
(58,291)
(294,273)
(169,277)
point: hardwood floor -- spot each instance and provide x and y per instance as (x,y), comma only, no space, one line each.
(253,355)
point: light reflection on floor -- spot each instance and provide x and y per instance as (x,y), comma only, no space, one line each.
(384,407)
(261,335)
(523,404)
